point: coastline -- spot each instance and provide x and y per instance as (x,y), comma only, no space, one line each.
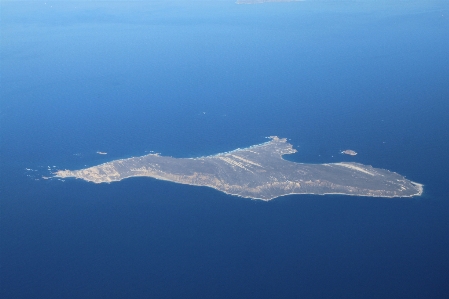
(245,174)
(420,190)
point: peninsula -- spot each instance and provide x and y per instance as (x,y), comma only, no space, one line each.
(257,172)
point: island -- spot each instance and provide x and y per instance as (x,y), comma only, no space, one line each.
(256,172)
(349,152)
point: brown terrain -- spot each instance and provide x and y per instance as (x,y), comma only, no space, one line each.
(257,172)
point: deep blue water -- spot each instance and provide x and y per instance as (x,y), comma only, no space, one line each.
(189,79)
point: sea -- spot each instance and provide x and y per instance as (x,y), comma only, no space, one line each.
(196,78)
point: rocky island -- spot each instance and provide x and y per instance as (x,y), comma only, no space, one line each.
(349,152)
(257,172)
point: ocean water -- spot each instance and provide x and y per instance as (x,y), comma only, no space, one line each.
(188,79)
